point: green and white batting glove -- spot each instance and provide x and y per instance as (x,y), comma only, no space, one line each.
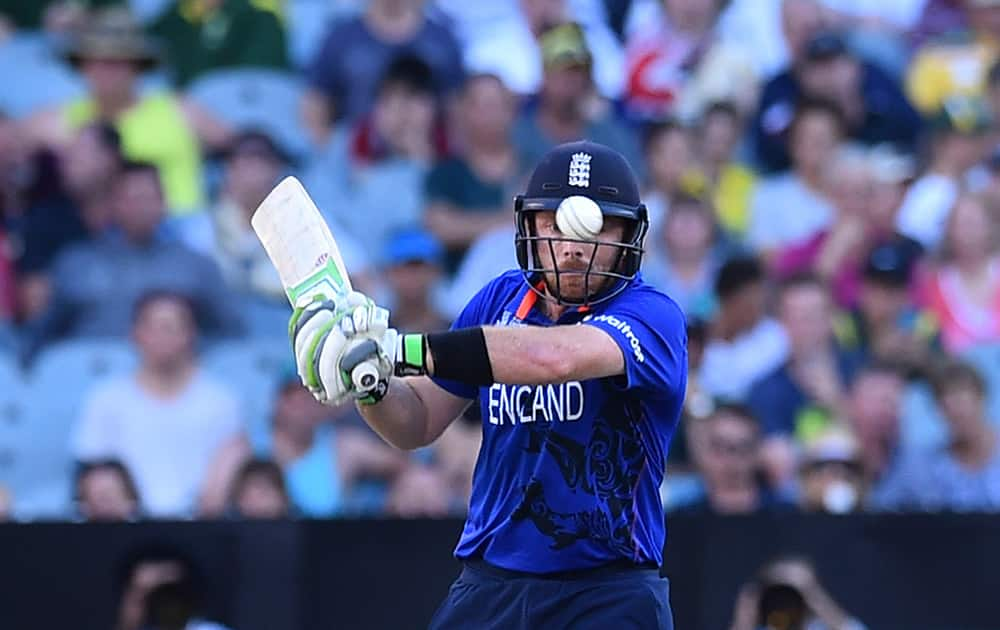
(344,348)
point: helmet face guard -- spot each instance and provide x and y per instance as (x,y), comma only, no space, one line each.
(599,285)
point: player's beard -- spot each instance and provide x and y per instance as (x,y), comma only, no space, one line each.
(573,284)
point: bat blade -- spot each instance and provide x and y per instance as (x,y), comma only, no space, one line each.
(299,243)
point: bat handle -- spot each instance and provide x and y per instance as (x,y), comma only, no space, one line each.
(360,363)
(365,376)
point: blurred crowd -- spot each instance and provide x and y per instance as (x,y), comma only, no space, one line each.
(822,176)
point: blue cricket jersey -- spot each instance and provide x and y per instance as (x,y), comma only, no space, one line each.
(568,475)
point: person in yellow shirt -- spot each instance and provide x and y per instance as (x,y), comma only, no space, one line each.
(959,65)
(729,184)
(111,52)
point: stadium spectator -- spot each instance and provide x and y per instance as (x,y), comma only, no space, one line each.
(469,192)
(769,33)
(938,18)
(833,250)
(808,392)
(958,132)
(166,420)
(874,417)
(878,31)
(726,454)
(672,165)
(786,593)
(253,164)
(53,16)
(864,219)
(831,476)
(873,107)
(964,292)
(502,38)
(258,491)
(345,87)
(957,65)
(567,106)
(95,284)
(663,53)
(963,475)
(160,587)
(370,179)
(75,210)
(321,452)
(992,95)
(205,35)
(986,177)
(105,491)
(412,270)
(8,287)
(886,325)
(729,183)
(79,206)
(454,458)
(13,164)
(698,405)
(745,344)
(488,257)
(684,254)
(111,53)
(420,491)
(790,207)
(892,173)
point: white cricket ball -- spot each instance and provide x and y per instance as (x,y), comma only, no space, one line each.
(579,217)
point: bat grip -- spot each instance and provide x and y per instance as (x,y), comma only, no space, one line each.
(360,361)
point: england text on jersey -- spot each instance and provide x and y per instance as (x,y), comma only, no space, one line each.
(520,404)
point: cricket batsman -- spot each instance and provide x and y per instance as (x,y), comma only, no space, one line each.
(580,370)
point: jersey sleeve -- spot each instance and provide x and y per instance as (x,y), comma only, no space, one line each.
(475,313)
(650,330)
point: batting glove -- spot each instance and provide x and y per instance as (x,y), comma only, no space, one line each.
(337,339)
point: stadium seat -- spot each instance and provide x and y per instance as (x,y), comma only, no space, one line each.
(30,62)
(87,360)
(252,368)
(58,384)
(266,100)
(39,482)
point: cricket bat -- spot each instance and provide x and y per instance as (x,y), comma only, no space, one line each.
(299,243)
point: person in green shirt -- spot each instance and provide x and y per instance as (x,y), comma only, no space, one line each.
(467,192)
(204,35)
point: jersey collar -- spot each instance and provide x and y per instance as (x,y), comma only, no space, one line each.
(526,308)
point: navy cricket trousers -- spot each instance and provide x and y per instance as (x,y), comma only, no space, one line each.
(484,596)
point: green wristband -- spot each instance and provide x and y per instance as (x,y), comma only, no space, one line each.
(411,355)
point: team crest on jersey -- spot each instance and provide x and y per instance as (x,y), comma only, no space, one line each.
(579,170)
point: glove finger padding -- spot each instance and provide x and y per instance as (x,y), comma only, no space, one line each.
(306,331)
(335,387)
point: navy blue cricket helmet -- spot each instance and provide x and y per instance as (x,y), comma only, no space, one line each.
(591,170)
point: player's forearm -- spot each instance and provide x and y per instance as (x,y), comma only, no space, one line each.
(545,356)
(400,418)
